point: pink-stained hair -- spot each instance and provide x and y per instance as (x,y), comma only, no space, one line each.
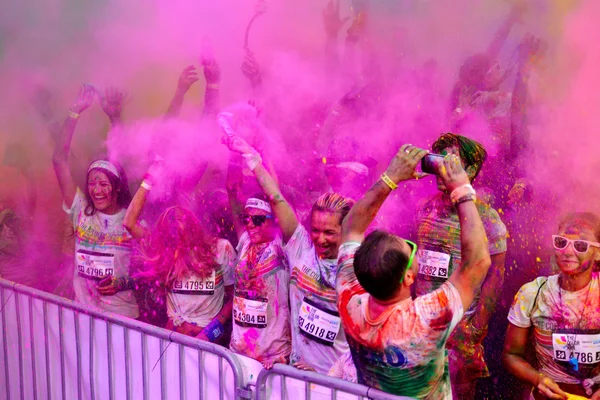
(177,247)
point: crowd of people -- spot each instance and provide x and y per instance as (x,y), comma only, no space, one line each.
(300,270)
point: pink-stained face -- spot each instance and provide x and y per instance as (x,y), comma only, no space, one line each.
(103,195)
(570,261)
(326,233)
(261,232)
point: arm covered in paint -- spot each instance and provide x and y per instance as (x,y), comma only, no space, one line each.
(131,222)
(286,218)
(475,256)
(513,359)
(187,78)
(212,74)
(215,329)
(503,31)
(84,100)
(401,168)
(234,191)
(490,292)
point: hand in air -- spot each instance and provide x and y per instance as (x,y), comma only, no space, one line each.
(452,173)
(357,29)
(84,99)
(212,71)
(238,145)
(529,47)
(187,78)
(250,68)
(402,166)
(331,18)
(112,102)
(516,194)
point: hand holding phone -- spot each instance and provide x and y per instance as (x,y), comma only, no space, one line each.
(432,163)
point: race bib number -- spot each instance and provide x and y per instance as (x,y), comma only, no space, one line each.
(201,287)
(94,265)
(250,313)
(569,346)
(434,264)
(317,323)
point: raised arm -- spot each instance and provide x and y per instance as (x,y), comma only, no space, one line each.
(187,78)
(111,102)
(131,222)
(286,218)
(212,74)
(475,257)
(63,144)
(401,168)
(251,70)
(234,191)
(501,34)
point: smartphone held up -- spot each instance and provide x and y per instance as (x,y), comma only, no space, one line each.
(431,163)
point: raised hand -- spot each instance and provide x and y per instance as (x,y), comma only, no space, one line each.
(402,166)
(331,18)
(453,174)
(112,103)
(238,145)
(212,71)
(250,69)
(187,78)
(529,47)
(357,28)
(84,99)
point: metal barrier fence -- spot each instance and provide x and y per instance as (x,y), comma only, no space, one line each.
(54,348)
(287,382)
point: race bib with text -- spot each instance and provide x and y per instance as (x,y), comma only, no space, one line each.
(94,265)
(583,347)
(433,264)
(317,323)
(250,313)
(201,287)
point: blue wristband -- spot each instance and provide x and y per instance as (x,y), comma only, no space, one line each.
(214,330)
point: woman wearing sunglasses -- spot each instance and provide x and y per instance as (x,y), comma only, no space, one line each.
(261,314)
(563,311)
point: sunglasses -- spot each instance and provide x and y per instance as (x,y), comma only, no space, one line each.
(411,258)
(257,220)
(580,246)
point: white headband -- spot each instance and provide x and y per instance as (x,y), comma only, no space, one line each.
(258,203)
(357,167)
(107,165)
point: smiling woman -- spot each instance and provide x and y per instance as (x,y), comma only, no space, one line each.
(563,312)
(102,245)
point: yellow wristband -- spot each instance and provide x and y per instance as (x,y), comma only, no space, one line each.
(386,179)
(73,115)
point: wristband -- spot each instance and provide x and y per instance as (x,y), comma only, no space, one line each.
(73,115)
(464,199)
(386,179)
(252,160)
(146,185)
(213,86)
(461,192)
(214,330)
